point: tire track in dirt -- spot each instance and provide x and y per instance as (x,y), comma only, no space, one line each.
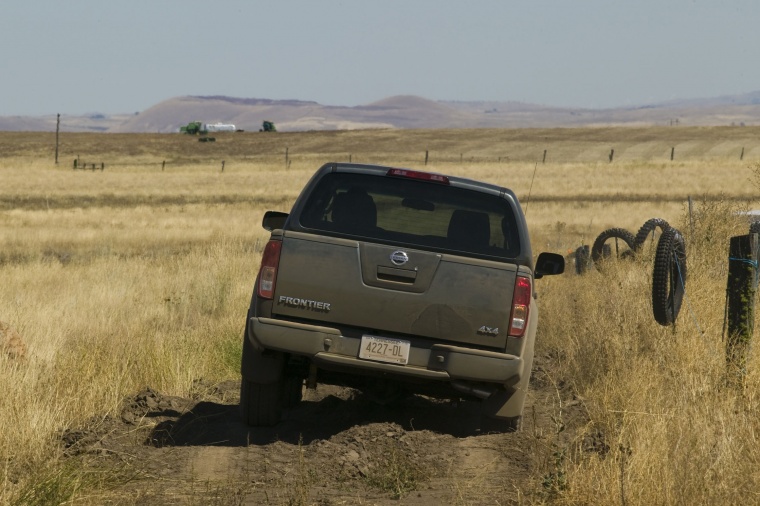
(336,447)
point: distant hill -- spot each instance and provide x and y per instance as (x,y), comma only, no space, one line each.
(85,123)
(403,111)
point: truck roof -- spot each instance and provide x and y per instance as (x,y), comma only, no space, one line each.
(458,181)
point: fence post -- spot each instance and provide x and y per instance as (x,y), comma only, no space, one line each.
(740,311)
(57,129)
(163,164)
(741,156)
(287,162)
(544,159)
(612,154)
(222,165)
(691,218)
(426,156)
(672,153)
(75,163)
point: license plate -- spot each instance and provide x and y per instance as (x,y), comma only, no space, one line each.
(382,349)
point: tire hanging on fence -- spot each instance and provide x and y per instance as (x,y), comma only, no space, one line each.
(648,229)
(582,259)
(668,277)
(600,253)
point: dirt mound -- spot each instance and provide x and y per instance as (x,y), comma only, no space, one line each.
(336,447)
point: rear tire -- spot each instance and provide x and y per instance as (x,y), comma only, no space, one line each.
(261,395)
(260,403)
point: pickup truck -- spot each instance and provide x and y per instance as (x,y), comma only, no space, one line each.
(394,281)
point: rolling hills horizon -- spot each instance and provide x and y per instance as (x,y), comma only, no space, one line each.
(400,111)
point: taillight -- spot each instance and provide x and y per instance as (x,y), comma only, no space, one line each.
(520,306)
(268,271)
(422,176)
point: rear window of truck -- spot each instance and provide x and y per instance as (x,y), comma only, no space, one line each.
(412,213)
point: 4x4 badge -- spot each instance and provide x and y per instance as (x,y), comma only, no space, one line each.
(399,257)
(489,331)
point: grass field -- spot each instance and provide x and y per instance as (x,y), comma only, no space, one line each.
(140,274)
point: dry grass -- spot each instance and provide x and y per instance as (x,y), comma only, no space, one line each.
(135,276)
(674,430)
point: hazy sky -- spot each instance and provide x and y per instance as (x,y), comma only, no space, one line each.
(102,56)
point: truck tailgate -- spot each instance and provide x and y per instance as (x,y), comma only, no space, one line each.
(351,283)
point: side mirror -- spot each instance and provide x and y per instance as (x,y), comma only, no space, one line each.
(549,264)
(274,220)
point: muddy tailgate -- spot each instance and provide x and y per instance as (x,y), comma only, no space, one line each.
(352,283)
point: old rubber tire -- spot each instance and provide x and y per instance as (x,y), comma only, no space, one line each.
(668,277)
(582,259)
(260,403)
(621,238)
(647,230)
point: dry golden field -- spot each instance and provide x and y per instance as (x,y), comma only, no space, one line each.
(140,275)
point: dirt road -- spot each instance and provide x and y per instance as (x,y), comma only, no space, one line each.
(337,447)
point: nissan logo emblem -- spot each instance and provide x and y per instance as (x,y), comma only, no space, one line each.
(399,257)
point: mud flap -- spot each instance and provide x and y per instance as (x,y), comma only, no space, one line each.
(506,403)
(261,367)
(509,402)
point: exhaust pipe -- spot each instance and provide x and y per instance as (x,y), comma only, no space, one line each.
(465,388)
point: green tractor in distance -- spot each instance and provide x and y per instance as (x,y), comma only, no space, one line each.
(268,126)
(193,128)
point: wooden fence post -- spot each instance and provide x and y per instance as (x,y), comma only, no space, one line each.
(740,311)
(57,129)
(287,161)
(544,159)
(426,156)
(222,165)
(612,154)
(691,218)
(163,164)
(672,153)
(741,156)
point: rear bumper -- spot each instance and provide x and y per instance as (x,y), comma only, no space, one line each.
(328,349)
